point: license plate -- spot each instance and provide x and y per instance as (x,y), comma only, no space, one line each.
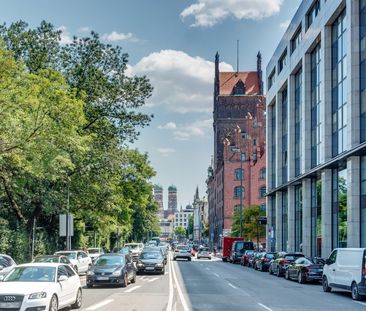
(149,268)
(103,278)
(9,305)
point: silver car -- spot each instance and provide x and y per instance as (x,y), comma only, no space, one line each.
(182,251)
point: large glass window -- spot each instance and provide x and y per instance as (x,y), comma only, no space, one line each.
(273,146)
(316,214)
(313,13)
(273,222)
(363,201)
(298,117)
(284,221)
(363,68)
(315,106)
(284,134)
(298,219)
(295,41)
(262,192)
(339,198)
(282,61)
(239,191)
(339,84)
(239,174)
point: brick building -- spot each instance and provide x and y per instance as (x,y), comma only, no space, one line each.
(239,135)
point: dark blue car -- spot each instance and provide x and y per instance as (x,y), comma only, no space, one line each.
(263,263)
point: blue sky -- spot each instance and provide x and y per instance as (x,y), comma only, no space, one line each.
(173,42)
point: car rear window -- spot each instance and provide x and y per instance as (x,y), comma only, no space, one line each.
(270,256)
(293,257)
(183,248)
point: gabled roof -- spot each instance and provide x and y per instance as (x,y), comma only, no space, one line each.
(229,79)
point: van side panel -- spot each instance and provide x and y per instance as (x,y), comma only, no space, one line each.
(349,267)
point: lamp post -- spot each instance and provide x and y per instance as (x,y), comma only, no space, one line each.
(238,150)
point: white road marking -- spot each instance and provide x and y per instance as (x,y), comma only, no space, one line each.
(152,280)
(231,285)
(264,307)
(215,274)
(170,299)
(181,296)
(99,305)
(208,269)
(360,303)
(132,289)
(166,272)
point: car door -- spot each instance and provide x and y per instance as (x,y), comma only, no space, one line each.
(330,269)
(295,267)
(129,266)
(73,283)
(81,262)
(64,286)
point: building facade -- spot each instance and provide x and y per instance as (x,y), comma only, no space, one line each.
(182,217)
(172,202)
(158,197)
(316,138)
(238,167)
(200,217)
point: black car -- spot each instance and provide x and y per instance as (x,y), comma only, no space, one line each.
(151,260)
(305,269)
(263,263)
(117,269)
(282,261)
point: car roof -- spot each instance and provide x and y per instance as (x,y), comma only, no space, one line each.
(50,256)
(42,264)
(112,254)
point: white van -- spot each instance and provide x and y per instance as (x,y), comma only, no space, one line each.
(345,269)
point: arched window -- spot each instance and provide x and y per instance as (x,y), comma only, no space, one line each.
(239,191)
(239,174)
(262,191)
(262,173)
(239,88)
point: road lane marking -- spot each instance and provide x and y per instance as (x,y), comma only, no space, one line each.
(132,289)
(360,303)
(99,305)
(231,285)
(153,280)
(180,293)
(170,299)
(208,269)
(264,307)
(215,274)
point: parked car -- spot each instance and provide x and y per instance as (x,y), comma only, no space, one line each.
(79,259)
(305,269)
(54,259)
(204,253)
(282,261)
(6,264)
(41,286)
(116,269)
(182,251)
(263,263)
(245,259)
(258,256)
(227,243)
(346,269)
(151,260)
(164,253)
(238,249)
(95,252)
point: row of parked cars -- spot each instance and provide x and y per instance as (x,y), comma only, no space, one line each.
(345,269)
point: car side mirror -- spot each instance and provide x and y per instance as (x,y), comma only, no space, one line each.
(327,261)
(62,278)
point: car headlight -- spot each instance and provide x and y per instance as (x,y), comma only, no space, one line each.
(90,272)
(38,295)
(159,265)
(117,273)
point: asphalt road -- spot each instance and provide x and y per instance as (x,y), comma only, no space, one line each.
(215,286)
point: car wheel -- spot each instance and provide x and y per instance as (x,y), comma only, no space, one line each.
(89,285)
(162,271)
(326,287)
(300,278)
(125,281)
(53,304)
(278,274)
(133,280)
(287,276)
(79,300)
(174,258)
(355,292)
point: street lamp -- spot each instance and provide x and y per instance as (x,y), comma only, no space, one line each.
(242,157)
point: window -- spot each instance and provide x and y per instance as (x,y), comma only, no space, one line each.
(295,41)
(62,271)
(284,221)
(239,191)
(282,62)
(363,68)
(239,174)
(363,200)
(262,192)
(271,78)
(239,88)
(263,207)
(262,173)
(313,13)
(70,272)
(333,257)
(298,219)
(298,119)
(284,122)
(273,146)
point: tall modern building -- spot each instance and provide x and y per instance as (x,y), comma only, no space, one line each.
(316,138)
(158,197)
(237,174)
(172,201)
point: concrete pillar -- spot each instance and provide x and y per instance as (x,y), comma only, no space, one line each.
(326,223)
(278,233)
(306,217)
(353,202)
(291,218)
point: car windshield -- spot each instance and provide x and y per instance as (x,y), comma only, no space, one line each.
(93,250)
(183,248)
(46,259)
(150,255)
(32,274)
(133,246)
(70,255)
(5,262)
(123,250)
(109,261)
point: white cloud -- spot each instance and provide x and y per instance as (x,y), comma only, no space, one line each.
(166,151)
(168,126)
(207,13)
(285,24)
(84,29)
(66,38)
(182,83)
(115,36)
(199,128)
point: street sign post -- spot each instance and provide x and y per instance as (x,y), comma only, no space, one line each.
(66,222)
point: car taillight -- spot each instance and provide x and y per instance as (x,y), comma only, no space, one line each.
(177,250)
(283,262)
(364,269)
(265,259)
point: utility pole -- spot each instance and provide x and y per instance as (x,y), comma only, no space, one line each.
(33,236)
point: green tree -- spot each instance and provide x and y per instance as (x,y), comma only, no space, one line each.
(190,226)
(180,232)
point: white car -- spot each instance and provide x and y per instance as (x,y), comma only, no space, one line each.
(95,252)
(6,264)
(40,286)
(80,260)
